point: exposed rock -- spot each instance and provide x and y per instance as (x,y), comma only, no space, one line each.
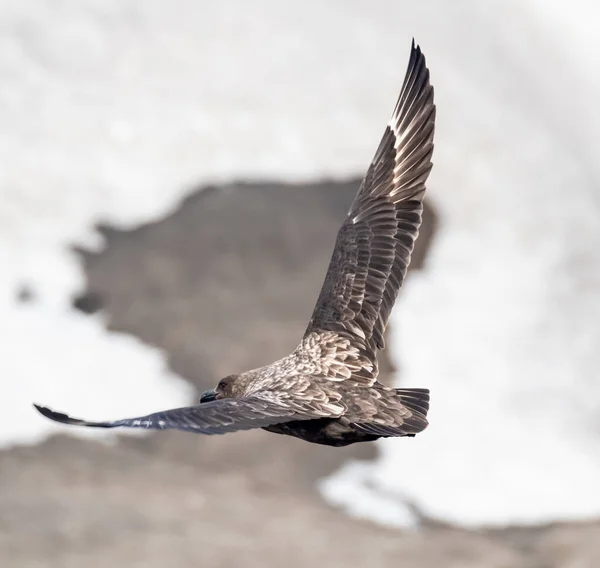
(88,302)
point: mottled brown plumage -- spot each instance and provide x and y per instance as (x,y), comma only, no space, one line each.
(326,391)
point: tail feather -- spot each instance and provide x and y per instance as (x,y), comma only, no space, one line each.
(416,400)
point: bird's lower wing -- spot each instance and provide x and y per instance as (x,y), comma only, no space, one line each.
(217,417)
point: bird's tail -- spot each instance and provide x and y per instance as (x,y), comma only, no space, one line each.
(416,400)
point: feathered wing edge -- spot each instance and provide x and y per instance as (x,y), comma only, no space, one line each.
(395,185)
(375,242)
(217,417)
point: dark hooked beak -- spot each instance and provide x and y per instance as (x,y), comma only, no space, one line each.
(208,396)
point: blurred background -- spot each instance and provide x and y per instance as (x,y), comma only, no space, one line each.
(172,178)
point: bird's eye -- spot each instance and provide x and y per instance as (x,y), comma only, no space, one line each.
(224,383)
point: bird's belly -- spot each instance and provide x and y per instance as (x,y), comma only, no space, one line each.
(326,431)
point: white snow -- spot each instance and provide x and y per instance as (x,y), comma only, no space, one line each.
(69,362)
(112,109)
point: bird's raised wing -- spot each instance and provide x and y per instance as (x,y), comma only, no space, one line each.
(375,242)
(217,417)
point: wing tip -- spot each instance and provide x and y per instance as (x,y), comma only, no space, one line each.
(53,415)
(415,48)
(417,57)
(412,124)
(63,418)
(416,82)
(48,413)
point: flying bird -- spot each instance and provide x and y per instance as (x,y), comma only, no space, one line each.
(326,391)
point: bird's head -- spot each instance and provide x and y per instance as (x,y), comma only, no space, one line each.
(226,388)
